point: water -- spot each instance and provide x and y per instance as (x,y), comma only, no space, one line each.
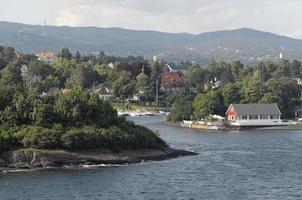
(230,165)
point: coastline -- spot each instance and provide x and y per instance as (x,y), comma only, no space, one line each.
(227,129)
(31,159)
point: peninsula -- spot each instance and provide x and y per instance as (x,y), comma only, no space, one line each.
(71,130)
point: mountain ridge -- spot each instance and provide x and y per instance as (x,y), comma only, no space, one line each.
(246,44)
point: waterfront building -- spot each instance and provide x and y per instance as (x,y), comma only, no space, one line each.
(251,115)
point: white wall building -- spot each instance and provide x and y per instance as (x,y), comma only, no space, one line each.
(46,56)
(250,115)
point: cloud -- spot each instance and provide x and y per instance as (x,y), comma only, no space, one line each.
(184,15)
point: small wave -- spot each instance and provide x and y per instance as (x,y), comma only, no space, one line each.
(101,166)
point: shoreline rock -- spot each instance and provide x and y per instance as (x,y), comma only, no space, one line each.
(44,159)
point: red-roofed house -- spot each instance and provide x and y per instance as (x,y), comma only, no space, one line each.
(65,90)
(46,56)
(172,82)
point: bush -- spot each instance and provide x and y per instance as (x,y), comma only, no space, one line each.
(39,137)
(5,141)
(81,138)
(114,138)
(145,138)
(140,137)
(125,136)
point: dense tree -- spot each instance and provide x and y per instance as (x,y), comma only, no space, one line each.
(38,68)
(208,104)
(181,109)
(251,90)
(77,57)
(65,53)
(284,92)
(231,94)
(124,87)
(196,77)
(237,68)
(11,75)
(77,120)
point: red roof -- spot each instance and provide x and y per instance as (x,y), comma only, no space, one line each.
(65,90)
(167,79)
(45,54)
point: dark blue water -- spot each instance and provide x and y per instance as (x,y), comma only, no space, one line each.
(230,165)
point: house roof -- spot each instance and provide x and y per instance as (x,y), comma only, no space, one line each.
(167,79)
(142,75)
(256,109)
(102,85)
(65,90)
(53,91)
(45,54)
(104,89)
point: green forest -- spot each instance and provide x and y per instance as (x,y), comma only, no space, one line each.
(78,120)
(32,118)
(214,87)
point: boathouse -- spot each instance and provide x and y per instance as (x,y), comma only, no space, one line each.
(251,115)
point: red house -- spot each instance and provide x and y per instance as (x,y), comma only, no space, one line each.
(253,115)
(172,82)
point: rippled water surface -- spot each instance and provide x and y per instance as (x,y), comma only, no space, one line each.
(230,165)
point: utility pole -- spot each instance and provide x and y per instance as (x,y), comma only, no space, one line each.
(52,13)
(156,95)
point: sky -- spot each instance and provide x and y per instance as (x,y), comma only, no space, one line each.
(193,16)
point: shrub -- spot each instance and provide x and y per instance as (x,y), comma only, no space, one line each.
(145,138)
(139,136)
(39,137)
(81,138)
(115,138)
(5,141)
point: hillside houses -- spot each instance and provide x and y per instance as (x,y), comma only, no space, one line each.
(46,56)
(105,91)
(172,82)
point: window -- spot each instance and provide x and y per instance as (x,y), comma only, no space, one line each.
(231,117)
(253,117)
(244,117)
(274,117)
(264,117)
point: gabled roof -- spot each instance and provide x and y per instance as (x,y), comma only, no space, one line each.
(104,89)
(65,90)
(142,75)
(167,79)
(256,109)
(102,85)
(45,54)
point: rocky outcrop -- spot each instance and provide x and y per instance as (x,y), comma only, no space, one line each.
(35,159)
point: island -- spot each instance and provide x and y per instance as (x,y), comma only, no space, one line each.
(71,130)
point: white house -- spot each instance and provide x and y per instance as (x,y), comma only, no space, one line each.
(105,91)
(299,81)
(250,115)
(46,56)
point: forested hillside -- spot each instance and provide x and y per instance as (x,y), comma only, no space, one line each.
(247,45)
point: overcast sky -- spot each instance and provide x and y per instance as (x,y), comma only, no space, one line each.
(194,16)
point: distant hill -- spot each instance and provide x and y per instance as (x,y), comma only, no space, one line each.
(245,44)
